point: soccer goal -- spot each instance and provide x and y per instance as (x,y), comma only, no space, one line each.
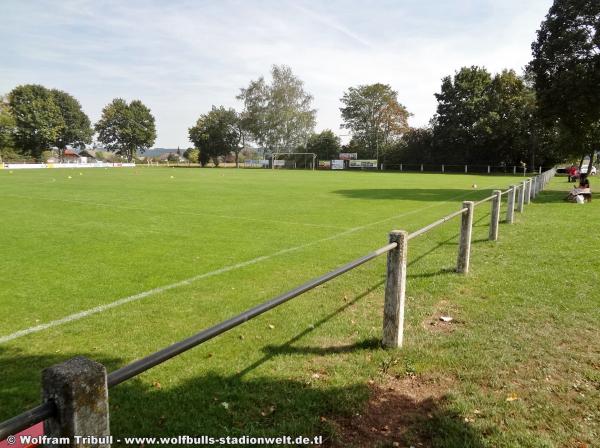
(294,160)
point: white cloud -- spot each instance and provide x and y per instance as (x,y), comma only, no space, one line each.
(182,57)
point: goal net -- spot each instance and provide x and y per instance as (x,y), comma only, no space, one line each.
(294,160)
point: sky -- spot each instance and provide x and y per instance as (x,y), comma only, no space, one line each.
(181,57)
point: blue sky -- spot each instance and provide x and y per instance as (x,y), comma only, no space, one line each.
(181,57)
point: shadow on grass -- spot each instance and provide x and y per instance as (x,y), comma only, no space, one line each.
(548,196)
(412,194)
(219,406)
(240,404)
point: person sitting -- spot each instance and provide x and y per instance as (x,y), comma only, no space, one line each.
(582,190)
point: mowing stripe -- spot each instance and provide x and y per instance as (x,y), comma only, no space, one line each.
(172,212)
(160,289)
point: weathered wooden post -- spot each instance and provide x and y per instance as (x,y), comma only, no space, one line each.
(464,246)
(528,192)
(395,291)
(495,215)
(510,204)
(521,202)
(79,390)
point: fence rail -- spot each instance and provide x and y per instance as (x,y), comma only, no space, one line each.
(65,413)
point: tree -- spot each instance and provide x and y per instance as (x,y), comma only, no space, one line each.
(38,119)
(566,71)
(415,146)
(7,129)
(77,129)
(374,116)
(461,103)
(278,116)
(507,127)
(126,128)
(485,119)
(215,134)
(191,155)
(326,145)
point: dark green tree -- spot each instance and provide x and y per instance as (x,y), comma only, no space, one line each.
(566,72)
(374,116)
(126,128)
(415,146)
(38,119)
(77,129)
(462,102)
(7,129)
(326,145)
(216,134)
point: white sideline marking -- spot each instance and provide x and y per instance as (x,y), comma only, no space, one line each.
(141,295)
(171,212)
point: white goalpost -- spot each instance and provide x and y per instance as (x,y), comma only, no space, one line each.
(276,155)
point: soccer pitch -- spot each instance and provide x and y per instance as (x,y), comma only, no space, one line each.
(115,264)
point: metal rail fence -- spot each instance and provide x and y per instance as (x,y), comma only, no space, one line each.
(461,168)
(76,391)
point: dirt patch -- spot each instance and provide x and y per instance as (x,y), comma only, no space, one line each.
(437,322)
(395,414)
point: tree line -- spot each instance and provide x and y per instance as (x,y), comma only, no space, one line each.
(548,114)
(34,119)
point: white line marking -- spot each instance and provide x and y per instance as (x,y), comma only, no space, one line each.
(141,295)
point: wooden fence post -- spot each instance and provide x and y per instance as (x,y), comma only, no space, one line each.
(464,247)
(495,215)
(510,206)
(395,291)
(79,389)
(528,191)
(521,203)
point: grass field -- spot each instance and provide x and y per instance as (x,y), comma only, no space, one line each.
(518,366)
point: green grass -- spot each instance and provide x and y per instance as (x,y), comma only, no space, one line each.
(526,317)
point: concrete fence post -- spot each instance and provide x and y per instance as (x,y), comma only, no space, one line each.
(400,167)
(522,189)
(515,169)
(421,167)
(465,168)
(443,168)
(495,215)
(489,169)
(79,389)
(395,291)
(464,246)
(510,204)
(528,191)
